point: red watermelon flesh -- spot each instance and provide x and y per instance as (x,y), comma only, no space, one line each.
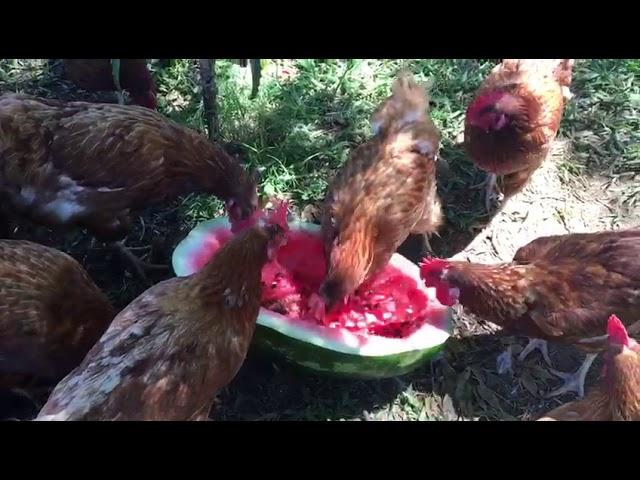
(390,304)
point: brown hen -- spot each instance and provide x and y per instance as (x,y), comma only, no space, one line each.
(559,288)
(618,395)
(385,191)
(94,165)
(166,355)
(96,74)
(51,314)
(514,118)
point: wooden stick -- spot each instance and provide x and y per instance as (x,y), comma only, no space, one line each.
(209,94)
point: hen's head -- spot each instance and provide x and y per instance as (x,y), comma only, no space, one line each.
(242,203)
(619,344)
(349,261)
(433,272)
(617,333)
(276,237)
(495,111)
(277,216)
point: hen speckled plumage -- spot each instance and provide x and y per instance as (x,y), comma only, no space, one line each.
(617,397)
(385,191)
(514,118)
(51,314)
(166,355)
(558,288)
(93,165)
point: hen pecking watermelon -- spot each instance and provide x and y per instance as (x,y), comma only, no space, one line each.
(390,326)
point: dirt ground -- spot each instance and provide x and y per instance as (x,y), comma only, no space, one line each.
(462,383)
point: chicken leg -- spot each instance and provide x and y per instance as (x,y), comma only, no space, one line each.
(493,196)
(504,363)
(573,382)
(138,265)
(536,344)
(115,71)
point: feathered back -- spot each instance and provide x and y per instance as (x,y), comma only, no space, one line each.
(408,103)
(51,311)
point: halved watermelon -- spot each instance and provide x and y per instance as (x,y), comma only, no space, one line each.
(392,325)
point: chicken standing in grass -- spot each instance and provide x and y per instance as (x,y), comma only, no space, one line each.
(51,314)
(92,165)
(559,288)
(97,74)
(166,355)
(385,191)
(513,120)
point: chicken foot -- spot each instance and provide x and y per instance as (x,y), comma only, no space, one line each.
(504,361)
(138,265)
(536,344)
(573,382)
(493,196)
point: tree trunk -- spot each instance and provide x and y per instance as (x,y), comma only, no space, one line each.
(209,94)
(256,73)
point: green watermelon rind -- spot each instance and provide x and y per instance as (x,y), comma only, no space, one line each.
(329,350)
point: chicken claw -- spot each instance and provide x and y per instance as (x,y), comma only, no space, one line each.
(536,344)
(504,362)
(573,382)
(493,195)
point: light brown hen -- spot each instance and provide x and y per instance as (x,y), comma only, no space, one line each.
(513,120)
(385,191)
(166,355)
(561,288)
(617,398)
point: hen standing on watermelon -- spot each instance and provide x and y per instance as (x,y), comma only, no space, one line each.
(385,191)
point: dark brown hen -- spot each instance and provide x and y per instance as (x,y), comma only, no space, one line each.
(385,191)
(166,355)
(514,118)
(91,165)
(96,74)
(560,288)
(51,314)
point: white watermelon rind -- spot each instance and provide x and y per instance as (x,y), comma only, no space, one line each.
(332,350)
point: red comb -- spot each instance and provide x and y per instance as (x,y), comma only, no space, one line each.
(616,331)
(481,102)
(279,215)
(432,264)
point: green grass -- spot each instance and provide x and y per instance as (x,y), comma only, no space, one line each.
(300,129)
